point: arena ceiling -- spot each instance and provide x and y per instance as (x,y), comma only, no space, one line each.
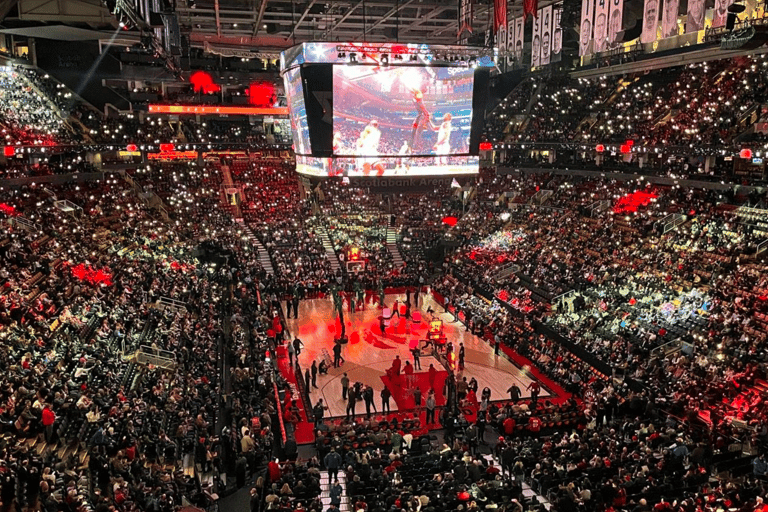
(277,24)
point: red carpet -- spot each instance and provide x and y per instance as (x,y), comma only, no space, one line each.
(305,432)
(403,395)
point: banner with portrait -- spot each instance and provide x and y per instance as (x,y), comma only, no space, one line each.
(720,15)
(585,27)
(697,10)
(650,21)
(519,39)
(669,18)
(615,21)
(545,15)
(536,41)
(557,34)
(602,8)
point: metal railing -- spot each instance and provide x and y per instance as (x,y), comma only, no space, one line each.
(150,356)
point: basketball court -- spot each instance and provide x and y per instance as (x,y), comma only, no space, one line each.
(368,354)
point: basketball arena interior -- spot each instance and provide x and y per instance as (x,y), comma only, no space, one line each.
(383,255)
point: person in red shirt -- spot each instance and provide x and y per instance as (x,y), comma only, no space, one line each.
(408,372)
(509,426)
(534,425)
(49,418)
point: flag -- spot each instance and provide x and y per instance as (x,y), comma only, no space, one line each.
(455,184)
(465,16)
(499,15)
(530,7)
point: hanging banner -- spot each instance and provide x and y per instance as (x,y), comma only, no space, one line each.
(536,41)
(601,25)
(519,39)
(499,15)
(501,41)
(669,18)
(615,23)
(545,15)
(585,33)
(465,16)
(721,13)
(650,21)
(557,34)
(696,11)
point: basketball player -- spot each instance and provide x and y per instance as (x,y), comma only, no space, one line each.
(403,164)
(368,148)
(421,122)
(443,144)
(330,171)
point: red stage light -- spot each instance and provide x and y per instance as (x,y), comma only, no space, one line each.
(631,202)
(486,146)
(203,82)
(451,221)
(131,148)
(745,153)
(261,94)
(9,150)
(599,148)
(167,147)
(625,148)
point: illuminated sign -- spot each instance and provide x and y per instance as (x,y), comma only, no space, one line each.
(173,155)
(128,153)
(214,110)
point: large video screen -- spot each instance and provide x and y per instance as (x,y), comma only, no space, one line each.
(407,120)
(294,91)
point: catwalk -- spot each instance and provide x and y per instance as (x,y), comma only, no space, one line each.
(368,354)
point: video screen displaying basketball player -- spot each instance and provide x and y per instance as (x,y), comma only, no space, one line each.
(299,126)
(422,115)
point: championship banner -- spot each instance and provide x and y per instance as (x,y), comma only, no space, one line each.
(519,39)
(536,41)
(465,16)
(499,15)
(720,15)
(545,15)
(696,13)
(601,24)
(585,33)
(616,20)
(650,21)
(557,34)
(669,18)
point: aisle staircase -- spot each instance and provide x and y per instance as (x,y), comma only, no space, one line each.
(532,498)
(394,250)
(325,491)
(264,259)
(328,246)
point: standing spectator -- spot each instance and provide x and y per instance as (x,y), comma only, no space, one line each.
(297,344)
(385,396)
(431,404)
(337,360)
(314,374)
(332,463)
(351,401)
(514,393)
(416,358)
(318,411)
(368,397)
(344,386)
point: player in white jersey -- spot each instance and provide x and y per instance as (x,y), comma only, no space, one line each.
(404,163)
(368,148)
(443,144)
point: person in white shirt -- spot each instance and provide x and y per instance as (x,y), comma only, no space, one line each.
(368,147)
(443,144)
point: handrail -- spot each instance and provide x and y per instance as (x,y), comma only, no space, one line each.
(280,414)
